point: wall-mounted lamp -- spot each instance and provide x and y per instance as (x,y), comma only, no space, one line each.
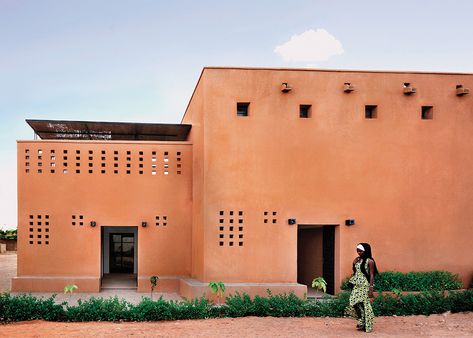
(93,224)
(348,87)
(285,87)
(291,221)
(408,89)
(349,222)
(144,224)
(462,90)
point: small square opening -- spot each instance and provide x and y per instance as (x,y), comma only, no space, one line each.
(305,111)
(427,113)
(242,108)
(371,112)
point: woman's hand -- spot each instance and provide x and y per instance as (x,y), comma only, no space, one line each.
(370,291)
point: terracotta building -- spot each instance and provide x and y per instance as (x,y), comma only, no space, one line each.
(271,179)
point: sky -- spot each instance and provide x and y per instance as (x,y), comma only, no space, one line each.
(139,60)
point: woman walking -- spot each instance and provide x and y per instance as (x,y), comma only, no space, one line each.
(362,281)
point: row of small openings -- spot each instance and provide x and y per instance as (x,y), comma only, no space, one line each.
(77,220)
(270,217)
(163,220)
(426,113)
(305,111)
(103,164)
(232,216)
(39,223)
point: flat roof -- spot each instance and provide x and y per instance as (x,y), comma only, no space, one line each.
(94,130)
(338,70)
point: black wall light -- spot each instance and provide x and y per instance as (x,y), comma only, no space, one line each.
(93,224)
(349,222)
(144,224)
(291,221)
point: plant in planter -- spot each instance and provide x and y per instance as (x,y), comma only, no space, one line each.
(153,281)
(218,289)
(319,283)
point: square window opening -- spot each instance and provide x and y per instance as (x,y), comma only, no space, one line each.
(305,111)
(427,113)
(243,108)
(371,112)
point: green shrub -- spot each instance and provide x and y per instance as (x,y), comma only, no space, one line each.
(413,281)
(27,307)
(461,301)
(99,309)
(239,305)
(199,308)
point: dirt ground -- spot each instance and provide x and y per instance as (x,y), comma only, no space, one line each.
(446,325)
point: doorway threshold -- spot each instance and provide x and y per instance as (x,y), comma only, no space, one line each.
(119,281)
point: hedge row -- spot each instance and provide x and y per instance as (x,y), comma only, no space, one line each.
(414,281)
(27,307)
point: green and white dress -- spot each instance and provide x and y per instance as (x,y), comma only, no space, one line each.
(359,295)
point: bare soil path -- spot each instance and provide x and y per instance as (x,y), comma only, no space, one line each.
(446,325)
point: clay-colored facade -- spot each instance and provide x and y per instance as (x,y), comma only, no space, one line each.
(405,180)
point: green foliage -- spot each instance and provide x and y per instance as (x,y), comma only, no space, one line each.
(218,289)
(27,307)
(70,288)
(99,309)
(424,303)
(8,234)
(413,281)
(149,310)
(319,283)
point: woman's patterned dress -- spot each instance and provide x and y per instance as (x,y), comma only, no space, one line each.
(359,295)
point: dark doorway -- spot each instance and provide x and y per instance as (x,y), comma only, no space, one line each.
(329,257)
(122,252)
(316,255)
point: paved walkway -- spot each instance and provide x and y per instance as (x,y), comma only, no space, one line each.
(8,271)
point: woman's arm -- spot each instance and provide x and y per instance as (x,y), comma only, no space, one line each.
(371,266)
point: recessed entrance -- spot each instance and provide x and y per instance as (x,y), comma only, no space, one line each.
(119,257)
(122,252)
(316,255)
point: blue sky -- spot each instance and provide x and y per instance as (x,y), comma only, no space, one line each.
(140,60)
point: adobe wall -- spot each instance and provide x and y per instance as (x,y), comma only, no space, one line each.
(406,181)
(128,183)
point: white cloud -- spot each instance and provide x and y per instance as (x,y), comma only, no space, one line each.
(310,46)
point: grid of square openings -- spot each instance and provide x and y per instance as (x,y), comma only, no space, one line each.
(230,228)
(161,220)
(87,161)
(77,220)
(38,229)
(270,217)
